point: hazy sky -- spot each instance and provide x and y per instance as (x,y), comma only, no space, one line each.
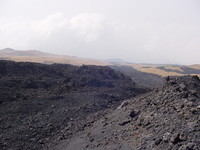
(140,31)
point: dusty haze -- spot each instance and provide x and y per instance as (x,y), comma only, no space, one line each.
(138,31)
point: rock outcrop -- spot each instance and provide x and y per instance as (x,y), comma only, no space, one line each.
(43,104)
(167,118)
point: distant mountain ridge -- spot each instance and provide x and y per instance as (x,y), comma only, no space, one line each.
(13,52)
(46,58)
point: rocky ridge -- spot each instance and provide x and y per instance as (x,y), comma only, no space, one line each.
(168,118)
(41,105)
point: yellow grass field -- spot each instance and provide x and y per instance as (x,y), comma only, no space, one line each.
(174,68)
(194,66)
(157,71)
(154,69)
(59,59)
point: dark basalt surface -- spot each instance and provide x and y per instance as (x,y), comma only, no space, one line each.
(168,118)
(41,105)
(185,70)
(143,79)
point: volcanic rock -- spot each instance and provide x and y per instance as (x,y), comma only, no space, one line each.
(41,105)
(167,120)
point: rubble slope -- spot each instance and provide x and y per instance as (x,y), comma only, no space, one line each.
(168,118)
(43,104)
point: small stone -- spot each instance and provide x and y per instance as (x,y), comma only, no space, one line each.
(1,119)
(193,92)
(192,98)
(105,124)
(167,79)
(146,123)
(178,137)
(157,142)
(91,139)
(61,137)
(125,103)
(171,82)
(183,147)
(182,86)
(32,139)
(182,137)
(190,104)
(189,146)
(133,114)
(194,110)
(41,141)
(184,95)
(196,77)
(50,124)
(175,138)
(124,122)
(166,136)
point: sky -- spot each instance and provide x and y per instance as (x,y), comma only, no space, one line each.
(138,31)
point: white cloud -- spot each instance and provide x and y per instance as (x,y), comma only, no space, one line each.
(14,32)
(88,25)
(45,28)
(19,33)
(94,35)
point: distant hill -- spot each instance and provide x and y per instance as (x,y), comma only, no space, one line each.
(46,58)
(7,52)
(115,60)
(167,70)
